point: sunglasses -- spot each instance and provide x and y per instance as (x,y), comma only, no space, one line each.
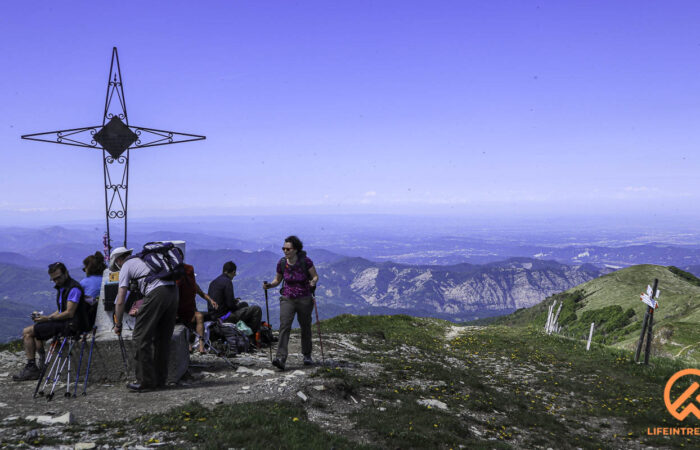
(54,279)
(287,249)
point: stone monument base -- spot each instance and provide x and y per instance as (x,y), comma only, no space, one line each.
(108,364)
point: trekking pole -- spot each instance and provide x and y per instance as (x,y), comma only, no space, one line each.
(267,311)
(87,372)
(318,325)
(122,348)
(70,357)
(124,357)
(80,363)
(54,365)
(61,365)
(47,361)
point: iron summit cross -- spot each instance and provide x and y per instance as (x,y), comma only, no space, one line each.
(115,137)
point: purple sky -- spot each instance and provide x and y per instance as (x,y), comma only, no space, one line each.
(462,107)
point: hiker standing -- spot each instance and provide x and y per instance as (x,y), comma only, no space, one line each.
(154,323)
(300,278)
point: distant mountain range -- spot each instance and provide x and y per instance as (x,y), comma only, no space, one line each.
(459,291)
(22,290)
(453,278)
(347,285)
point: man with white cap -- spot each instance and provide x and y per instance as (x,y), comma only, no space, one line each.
(154,323)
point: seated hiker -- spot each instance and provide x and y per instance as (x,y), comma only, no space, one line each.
(229,309)
(71,317)
(93,266)
(187,313)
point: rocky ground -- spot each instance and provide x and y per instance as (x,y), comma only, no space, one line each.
(210,381)
(327,400)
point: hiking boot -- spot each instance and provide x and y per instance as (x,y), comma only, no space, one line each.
(138,387)
(308,361)
(278,363)
(29,372)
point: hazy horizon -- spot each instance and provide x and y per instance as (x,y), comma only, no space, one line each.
(324,228)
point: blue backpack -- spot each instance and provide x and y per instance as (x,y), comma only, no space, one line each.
(164,259)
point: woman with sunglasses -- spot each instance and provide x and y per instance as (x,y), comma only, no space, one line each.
(300,278)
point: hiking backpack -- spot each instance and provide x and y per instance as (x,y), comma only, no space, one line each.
(237,341)
(266,336)
(164,260)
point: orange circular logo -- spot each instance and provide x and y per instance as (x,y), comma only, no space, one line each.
(675,407)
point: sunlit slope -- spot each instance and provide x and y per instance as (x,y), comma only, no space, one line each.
(612,303)
(679,299)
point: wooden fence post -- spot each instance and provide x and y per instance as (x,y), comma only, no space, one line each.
(590,336)
(647,327)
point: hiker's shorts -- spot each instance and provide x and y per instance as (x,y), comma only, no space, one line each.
(47,330)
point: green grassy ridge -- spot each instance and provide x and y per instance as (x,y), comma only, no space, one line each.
(612,303)
(399,327)
(692,279)
(678,296)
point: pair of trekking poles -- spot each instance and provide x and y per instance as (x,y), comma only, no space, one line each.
(56,360)
(318,322)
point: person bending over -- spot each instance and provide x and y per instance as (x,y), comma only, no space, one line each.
(155,320)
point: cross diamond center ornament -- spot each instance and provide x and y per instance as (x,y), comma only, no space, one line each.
(115,137)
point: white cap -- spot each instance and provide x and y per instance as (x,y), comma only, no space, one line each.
(116,253)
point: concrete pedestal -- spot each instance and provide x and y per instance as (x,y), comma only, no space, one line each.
(107,362)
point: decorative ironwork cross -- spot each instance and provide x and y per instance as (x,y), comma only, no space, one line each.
(115,137)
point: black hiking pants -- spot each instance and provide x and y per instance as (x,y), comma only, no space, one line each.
(152,333)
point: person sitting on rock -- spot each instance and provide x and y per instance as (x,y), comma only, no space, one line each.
(230,309)
(71,317)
